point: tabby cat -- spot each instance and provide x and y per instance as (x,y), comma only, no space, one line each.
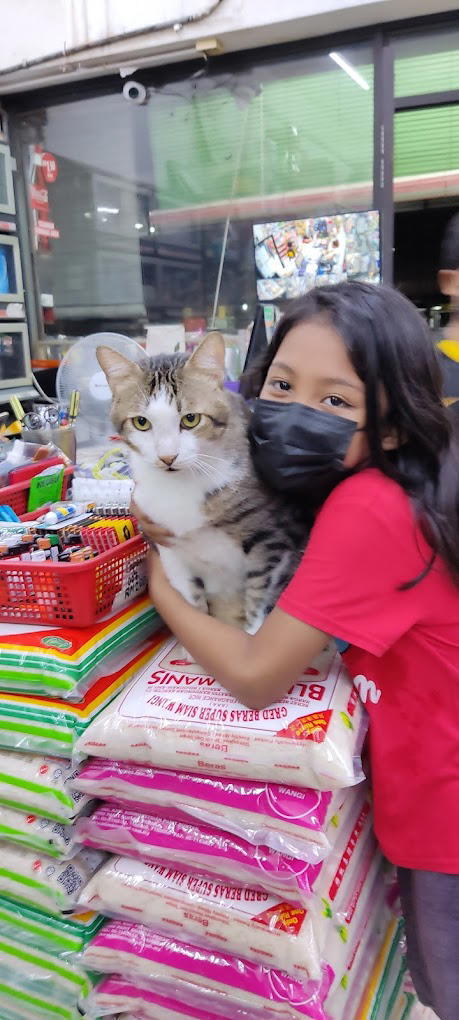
(237,543)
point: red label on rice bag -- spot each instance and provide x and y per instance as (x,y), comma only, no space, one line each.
(282,917)
(308,727)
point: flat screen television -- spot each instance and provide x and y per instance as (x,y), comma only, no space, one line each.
(291,256)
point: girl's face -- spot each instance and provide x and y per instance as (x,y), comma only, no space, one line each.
(312,367)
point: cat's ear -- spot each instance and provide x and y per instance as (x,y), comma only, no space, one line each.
(209,358)
(117,368)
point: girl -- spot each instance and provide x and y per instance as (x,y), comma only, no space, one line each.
(350,418)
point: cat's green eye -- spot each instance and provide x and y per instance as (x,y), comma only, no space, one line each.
(141,423)
(190,421)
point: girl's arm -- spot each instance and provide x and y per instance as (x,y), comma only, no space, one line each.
(257,669)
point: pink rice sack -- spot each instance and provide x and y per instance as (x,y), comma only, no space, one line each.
(287,819)
(209,851)
(213,982)
(187,846)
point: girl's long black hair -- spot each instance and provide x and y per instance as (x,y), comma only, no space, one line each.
(390,346)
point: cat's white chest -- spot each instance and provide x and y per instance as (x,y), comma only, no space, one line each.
(216,558)
(175,500)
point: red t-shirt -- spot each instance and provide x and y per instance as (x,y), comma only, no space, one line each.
(404,659)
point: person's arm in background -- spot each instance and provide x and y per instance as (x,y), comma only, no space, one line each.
(257,669)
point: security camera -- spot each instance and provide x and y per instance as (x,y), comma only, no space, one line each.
(135,92)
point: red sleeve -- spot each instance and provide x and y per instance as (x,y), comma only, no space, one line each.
(363,546)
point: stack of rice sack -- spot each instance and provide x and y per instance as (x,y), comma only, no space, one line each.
(53,682)
(244,879)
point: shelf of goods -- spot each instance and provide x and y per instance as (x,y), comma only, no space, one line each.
(54,680)
(243,878)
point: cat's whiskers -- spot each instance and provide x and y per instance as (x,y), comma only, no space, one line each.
(218,477)
(211,457)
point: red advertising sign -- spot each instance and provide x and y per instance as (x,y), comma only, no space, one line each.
(49,166)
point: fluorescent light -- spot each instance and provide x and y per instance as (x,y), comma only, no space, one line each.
(107,209)
(350,70)
(138,226)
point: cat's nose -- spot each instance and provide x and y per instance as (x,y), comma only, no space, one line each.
(168,461)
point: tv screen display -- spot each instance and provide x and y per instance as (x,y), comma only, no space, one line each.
(292,256)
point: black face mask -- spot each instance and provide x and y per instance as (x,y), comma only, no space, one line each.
(298,450)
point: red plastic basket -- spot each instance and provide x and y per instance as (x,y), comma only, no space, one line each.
(74,593)
(16,496)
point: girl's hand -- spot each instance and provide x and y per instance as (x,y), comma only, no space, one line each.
(156,534)
(158,583)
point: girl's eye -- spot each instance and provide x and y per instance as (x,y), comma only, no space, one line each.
(334,401)
(280,384)
(190,421)
(141,423)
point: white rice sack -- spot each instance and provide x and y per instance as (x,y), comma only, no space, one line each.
(175,716)
(345,872)
(12,1006)
(41,785)
(207,912)
(40,881)
(34,973)
(215,982)
(349,950)
(36,833)
(284,818)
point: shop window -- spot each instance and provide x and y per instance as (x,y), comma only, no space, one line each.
(426,153)
(426,63)
(144,214)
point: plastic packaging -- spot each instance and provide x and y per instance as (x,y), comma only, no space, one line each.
(41,785)
(41,882)
(51,726)
(199,848)
(352,952)
(38,972)
(284,818)
(36,833)
(208,912)
(16,1004)
(174,715)
(64,662)
(221,984)
(195,848)
(59,936)
(382,976)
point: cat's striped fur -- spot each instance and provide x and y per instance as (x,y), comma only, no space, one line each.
(237,542)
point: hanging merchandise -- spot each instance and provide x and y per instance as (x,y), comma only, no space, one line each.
(43,171)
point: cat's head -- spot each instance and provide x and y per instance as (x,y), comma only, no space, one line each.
(173,410)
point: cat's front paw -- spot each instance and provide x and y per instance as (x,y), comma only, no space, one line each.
(253,625)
